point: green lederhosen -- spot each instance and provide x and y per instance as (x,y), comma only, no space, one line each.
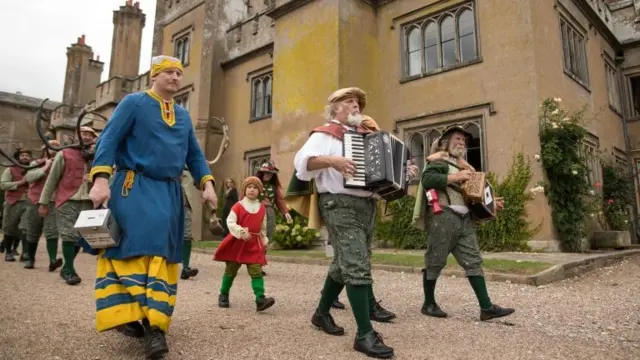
(66,216)
(350,223)
(36,226)
(14,223)
(187,241)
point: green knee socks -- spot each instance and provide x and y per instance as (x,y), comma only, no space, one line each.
(69,255)
(52,249)
(186,254)
(257,284)
(330,293)
(359,300)
(429,288)
(30,249)
(480,288)
(227,281)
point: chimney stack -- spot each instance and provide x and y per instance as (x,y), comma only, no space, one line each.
(128,23)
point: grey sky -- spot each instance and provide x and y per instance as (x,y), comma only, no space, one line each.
(38,32)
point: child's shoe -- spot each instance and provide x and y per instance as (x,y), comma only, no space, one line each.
(263,303)
(223,300)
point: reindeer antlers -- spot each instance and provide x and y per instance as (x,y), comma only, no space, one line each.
(225,140)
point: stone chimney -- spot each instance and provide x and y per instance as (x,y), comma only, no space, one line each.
(128,23)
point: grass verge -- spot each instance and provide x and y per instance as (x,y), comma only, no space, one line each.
(517,267)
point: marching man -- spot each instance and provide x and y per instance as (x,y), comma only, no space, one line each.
(15,187)
(68,180)
(36,225)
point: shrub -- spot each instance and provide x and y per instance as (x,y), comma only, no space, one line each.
(293,236)
(617,196)
(561,136)
(510,231)
(397,232)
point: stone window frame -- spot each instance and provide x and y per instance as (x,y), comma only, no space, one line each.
(620,158)
(590,151)
(429,126)
(182,44)
(612,80)
(634,110)
(574,39)
(436,19)
(182,99)
(255,158)
(262,81)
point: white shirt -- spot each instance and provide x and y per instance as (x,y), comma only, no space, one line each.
(328,180)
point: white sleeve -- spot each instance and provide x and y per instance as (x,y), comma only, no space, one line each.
(316,145)
(232,224)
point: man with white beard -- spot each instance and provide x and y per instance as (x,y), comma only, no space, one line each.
(452,230)
(349,215)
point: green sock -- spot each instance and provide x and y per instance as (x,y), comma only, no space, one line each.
(26,249)
(186,254)
(33,247)
(69,254)
(330,293)
(227,281)
(371,297)
(480,288)
(429,288)
(257,284)
(359,300)
(52,249)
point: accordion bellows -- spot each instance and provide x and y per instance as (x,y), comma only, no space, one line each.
(473,189)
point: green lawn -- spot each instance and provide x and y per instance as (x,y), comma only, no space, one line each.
(413,260)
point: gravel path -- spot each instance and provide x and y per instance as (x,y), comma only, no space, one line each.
(591,317)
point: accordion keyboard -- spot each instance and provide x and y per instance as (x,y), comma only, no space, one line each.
(354,150)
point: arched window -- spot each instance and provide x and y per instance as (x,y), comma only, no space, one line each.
(431,137)
(474,147)
(258,98)
(467,36)
(431,46)
(414,61)
(267,97)
(448,41)
(417,150)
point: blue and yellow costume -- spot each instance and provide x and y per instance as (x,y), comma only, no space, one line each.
(150,140)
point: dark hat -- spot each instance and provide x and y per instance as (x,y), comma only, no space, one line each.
(451,129)
(269,167)
(16,154)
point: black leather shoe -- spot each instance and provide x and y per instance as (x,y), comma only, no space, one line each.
(223,300)
(156,344)
(73,279)
(133,329)
(495,312)
(381,314)
(327,324)
(372,345)
(9,256)
(263,303)
(433,310)
(53,265)
(29,264)
(193,272)
(338,305)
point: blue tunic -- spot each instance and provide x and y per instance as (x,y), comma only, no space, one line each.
(150,152)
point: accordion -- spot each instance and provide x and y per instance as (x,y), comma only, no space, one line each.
(381,163)
(478,193)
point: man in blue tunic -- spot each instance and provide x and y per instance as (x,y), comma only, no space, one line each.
(149,139)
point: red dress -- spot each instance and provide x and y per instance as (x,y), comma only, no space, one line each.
(244,251)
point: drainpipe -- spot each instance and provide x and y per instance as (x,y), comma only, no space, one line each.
(627,142)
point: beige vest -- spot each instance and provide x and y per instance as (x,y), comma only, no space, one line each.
(451,196)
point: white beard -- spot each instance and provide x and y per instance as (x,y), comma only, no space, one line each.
(458,152)
(354,120)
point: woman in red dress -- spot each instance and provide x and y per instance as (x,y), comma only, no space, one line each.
(245,244)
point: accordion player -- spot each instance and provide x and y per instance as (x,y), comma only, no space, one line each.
(381,163)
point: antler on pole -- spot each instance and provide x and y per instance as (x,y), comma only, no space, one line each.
(224,143)
(40,117)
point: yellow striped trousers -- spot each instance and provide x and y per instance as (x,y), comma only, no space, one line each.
(134,289)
